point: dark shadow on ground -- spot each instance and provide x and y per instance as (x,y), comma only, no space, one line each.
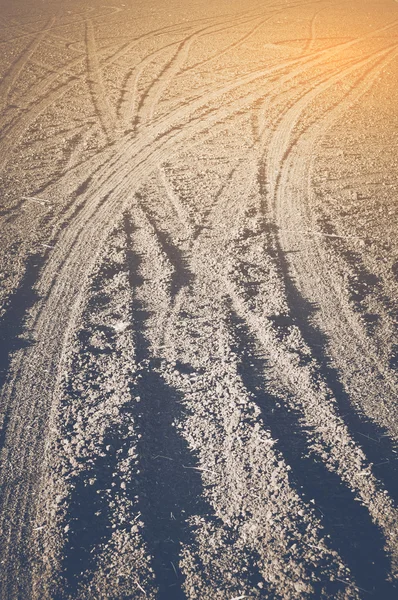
(352,533)
(379,448)
(12,332)
(168,488)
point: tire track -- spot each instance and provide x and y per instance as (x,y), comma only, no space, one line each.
(129,102)
(48,97)
(103,108)
(347,523)
(17,67)
(192,305)
(278,148)
(312,39)
(78,143)
(180,211)
(181,275)
(126,113)
(244,38)
(175,67)
(123,147)
(152,96)
(282,145)
(346,358)
(173,139)
(186,111)
(171,69)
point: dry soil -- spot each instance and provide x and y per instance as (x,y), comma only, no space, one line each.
(199,299)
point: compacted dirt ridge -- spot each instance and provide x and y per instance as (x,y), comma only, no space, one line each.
(199,299)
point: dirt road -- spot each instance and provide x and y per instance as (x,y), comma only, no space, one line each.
(199,299)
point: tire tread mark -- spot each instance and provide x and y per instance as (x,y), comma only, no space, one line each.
(16,69)
(102,105)
(128,145)
(316,262)
(173,68)
(281,143)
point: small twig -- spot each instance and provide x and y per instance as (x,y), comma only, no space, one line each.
(140,588)
(354,586)
(200,469)
(174,569)
(369,438)
(321,234)
(386,462)
(238,597)
(161,456)
(47,246)
(32,199)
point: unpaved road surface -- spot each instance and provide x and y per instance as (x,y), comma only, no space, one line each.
(199,299)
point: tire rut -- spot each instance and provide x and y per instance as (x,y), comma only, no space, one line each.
(379,448)
(347,524)
(182,276)
(166,506)
(15,70)
(284,150)
(99,94)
